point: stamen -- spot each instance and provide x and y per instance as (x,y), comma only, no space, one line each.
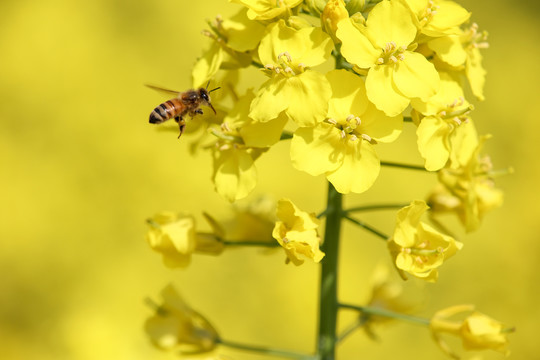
(343,134)
(350,117)
(269,66)
(367,137)
(289,70)
(286,54)
(353,137)
(380,61)
(225,127)
(301,66)
(393,59)
(332,121)
(401,57)
(358,121)
(456,120)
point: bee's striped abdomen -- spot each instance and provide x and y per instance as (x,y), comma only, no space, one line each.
(165,111)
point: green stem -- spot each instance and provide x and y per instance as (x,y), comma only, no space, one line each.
(265,350)
(405,166)
(251,243)
(386,313)
(328,302)
(367,227)
(374,207)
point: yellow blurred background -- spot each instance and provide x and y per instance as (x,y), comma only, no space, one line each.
(82,169)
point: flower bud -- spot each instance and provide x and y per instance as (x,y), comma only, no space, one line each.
(316,7)
(354,6)
(297,23)
(333,13)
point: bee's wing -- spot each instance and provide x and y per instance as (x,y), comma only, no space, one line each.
(171,92)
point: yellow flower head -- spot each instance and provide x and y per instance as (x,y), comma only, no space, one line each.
(268,9)
(477,331)
(293,88)
(341,147)
(253,221)
(175,326)
(467,189)
(446,132)
(240,142)
(385,46)
(416,247)
(174,236)
(296,232)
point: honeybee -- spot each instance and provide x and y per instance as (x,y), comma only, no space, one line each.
(185,103)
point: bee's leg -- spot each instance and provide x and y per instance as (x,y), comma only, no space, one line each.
(181,124)
(195,112)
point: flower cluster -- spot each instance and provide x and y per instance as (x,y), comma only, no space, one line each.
(399,58)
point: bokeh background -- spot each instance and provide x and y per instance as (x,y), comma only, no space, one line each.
(81,170)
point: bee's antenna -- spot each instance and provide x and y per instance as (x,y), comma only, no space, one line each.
(208,83)
(219,87)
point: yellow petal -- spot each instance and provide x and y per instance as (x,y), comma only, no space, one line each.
(359,169)
(416,77)
(243,34)
(390,21)
(317,150)
(207,66)
(260,135)
(235,174)
(307,95)
(446,20)
(356,47)
(348,94)
(476,73)
(380,127)
(271,100)
(433,145)
(381,91)
(449,49)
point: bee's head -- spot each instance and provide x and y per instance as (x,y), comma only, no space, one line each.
(204,95)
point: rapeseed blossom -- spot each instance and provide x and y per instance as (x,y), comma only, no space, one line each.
(477,331)
(287,54)
(417,248)
(341,147)
(175,237)
(296,232)
(467,189)
(175,326)
(386,47)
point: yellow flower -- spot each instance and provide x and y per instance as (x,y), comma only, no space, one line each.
(342,146)
(296,232)
(467,189)
(175,326)
(302,94)
(267,9)
(240,142)
(416,247)
(462,53)
(438,17)
(385,46)
(446,132)
(174,236)
(477,331)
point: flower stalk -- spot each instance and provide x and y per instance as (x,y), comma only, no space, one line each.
(328,301)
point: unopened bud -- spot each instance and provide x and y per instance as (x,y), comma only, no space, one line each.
(355,6)
(333,13)
(316,7)
(297,23)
